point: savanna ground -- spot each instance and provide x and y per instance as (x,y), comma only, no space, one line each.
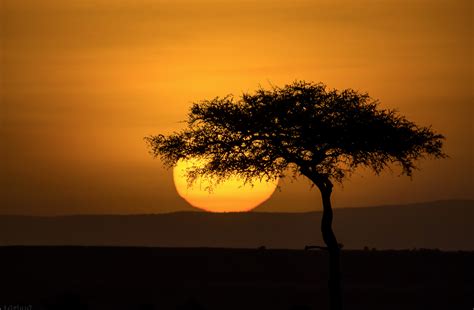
(205,278)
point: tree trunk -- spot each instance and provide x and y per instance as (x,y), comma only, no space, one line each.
(335,289)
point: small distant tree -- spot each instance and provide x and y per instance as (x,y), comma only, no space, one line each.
(302,129)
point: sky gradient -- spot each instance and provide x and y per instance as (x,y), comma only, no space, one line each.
(82,82)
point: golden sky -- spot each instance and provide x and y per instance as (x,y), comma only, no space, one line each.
(82,82)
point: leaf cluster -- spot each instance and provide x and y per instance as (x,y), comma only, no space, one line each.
(315,131)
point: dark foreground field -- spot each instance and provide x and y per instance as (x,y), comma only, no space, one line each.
(193,278)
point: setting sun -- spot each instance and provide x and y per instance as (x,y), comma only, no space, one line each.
(231,195)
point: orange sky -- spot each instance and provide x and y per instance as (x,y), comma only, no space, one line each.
(83,81)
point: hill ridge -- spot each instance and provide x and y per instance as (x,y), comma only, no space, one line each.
(446,225)
(253,211)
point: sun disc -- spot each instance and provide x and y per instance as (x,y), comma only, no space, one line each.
(230,195)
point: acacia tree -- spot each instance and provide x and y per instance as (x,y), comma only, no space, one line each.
(304,129)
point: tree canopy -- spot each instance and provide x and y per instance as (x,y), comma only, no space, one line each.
(303,126)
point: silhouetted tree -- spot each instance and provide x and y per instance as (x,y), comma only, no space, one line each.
(302,128)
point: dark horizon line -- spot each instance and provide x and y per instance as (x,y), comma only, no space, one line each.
(199,211)
(231,248)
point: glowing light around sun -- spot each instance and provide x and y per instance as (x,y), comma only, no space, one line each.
(230,195)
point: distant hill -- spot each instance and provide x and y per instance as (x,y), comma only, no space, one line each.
(447,225)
